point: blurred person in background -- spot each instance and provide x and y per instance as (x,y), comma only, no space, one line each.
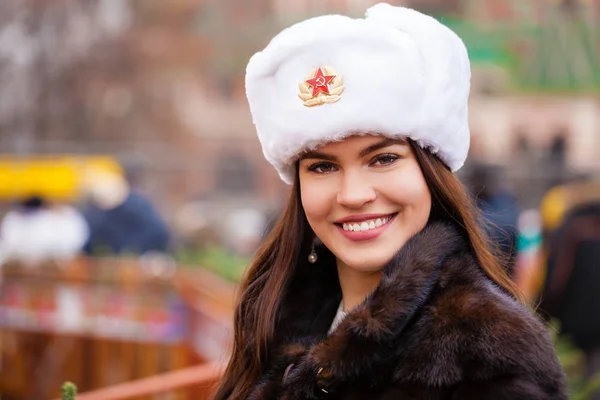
(571,242)
(528,271)
(121,220)
(499,209)
(377,281)
(37,230)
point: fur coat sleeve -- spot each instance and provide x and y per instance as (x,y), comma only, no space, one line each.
(436,327)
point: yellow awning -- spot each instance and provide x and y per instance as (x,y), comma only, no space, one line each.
(56,177)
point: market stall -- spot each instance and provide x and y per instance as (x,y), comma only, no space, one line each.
(106,321)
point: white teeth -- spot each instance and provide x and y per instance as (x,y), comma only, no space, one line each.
(365,225)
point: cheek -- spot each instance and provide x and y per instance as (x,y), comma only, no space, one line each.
(315,201)
(422,208)
(411,192)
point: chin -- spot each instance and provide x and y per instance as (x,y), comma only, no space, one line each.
(367,264)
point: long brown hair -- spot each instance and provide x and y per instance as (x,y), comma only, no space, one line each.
(263,287)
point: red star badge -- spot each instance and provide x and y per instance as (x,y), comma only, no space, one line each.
(320,82)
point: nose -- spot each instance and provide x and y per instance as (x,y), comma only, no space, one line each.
(355,191)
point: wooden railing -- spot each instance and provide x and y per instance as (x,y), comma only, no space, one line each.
(202,379)
(187,365)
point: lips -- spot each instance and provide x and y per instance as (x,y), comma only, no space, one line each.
(363,217)
(359,228)
(366,225)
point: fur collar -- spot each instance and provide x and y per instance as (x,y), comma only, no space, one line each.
(320,362)
(436,326)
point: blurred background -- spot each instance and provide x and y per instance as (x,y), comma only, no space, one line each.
(133,190)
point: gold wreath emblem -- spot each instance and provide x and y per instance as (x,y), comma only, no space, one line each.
(330,95)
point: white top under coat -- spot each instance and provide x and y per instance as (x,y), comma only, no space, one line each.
(339,317)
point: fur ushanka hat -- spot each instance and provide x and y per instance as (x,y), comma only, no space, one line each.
(396,72)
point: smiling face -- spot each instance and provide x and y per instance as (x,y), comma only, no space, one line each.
(364,197)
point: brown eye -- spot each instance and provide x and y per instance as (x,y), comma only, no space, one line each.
(322,168)
(385,159)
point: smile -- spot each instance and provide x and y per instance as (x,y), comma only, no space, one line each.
(368,229)
(366,225)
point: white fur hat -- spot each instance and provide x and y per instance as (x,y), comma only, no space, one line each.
(397,72)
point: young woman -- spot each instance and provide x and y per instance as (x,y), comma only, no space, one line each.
(377,281)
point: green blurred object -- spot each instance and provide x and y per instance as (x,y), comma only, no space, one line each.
(69,391)
(486,44)
(572,360)
(559,53)
(216,259)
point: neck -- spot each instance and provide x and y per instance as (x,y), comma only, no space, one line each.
(356,285)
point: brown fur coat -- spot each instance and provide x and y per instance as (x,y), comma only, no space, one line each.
(435,328)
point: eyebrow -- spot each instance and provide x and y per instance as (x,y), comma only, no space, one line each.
(367,150)
(380,145)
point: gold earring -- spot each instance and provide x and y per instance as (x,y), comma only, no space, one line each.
(312,256)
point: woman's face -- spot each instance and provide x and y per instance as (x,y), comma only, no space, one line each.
(364,197)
